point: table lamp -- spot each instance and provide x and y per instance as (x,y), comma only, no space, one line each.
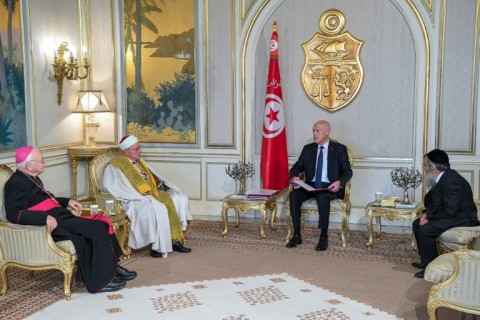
(90,102)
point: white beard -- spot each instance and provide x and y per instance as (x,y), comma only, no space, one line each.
(429,180)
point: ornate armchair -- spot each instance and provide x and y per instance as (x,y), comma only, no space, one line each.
(96,168)
(456,275)
(31,247)
(457,238)
(337,206)
(120,221)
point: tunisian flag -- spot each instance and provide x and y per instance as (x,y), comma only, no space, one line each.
(274,162)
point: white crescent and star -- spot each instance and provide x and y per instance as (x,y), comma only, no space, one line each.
(274,118)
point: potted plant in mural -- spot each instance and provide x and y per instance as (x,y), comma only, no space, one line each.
(160,82)
(12,90)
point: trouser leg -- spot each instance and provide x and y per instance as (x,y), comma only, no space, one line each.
(297,197)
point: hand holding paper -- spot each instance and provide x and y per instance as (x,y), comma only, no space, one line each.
(307,187)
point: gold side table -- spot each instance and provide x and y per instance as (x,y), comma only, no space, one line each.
(389,214)
(243,205)
(82,153)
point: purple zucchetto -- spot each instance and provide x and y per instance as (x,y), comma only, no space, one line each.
(22,153)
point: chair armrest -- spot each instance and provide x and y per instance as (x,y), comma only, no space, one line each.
(458,288)
(26,244)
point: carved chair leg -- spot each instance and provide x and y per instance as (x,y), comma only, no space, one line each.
(3,274)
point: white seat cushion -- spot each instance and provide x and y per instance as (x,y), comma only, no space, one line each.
(311,204)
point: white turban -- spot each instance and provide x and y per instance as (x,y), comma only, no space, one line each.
(127,141)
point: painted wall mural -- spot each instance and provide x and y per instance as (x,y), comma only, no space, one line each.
(160,70)
(12,84)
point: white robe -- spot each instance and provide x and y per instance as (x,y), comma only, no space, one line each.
(149,223)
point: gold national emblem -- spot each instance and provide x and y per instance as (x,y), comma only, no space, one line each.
(332,74)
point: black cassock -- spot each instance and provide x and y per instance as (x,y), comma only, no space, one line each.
(97,251)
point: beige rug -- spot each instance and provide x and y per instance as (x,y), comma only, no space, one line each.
(277,296)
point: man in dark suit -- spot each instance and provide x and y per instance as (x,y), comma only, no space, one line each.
(449,203)
(325,165)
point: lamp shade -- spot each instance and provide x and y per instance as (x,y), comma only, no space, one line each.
(90,101)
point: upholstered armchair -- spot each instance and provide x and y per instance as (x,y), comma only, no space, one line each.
(337,206)
(120,221)
(457,275)
(96,168)
(457,238)
(31,247)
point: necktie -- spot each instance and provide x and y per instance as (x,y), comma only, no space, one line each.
(318,175)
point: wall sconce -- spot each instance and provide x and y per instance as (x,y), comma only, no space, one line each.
(90,102)
(68,69)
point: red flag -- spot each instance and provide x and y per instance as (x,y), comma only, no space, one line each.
(274,162)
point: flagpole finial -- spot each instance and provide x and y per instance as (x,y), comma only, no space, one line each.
(274,25)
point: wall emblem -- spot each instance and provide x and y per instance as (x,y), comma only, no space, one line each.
(332,74)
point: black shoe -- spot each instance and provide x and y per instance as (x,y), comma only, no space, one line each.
(419,265)
(322,245)
(114,285)
(177,246)
(296,240)
(125,274)
(155,254)
(420,274)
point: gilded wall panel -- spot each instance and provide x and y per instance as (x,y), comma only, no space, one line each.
(457,76)
(187,175)
(47,34)
(220,74)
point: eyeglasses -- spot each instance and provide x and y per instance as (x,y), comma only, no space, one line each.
(42,161)
(135,149)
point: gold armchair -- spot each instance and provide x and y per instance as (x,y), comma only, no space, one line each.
(342,207)
(456,275)
(31,247)
(120,221)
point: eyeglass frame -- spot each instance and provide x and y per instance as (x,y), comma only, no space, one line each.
(134,149)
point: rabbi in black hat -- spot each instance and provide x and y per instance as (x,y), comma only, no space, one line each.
(449,203)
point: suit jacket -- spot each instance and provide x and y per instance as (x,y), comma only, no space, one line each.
(450,200)
(338,166)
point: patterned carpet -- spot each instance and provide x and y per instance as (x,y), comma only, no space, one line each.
(276,296)
(33,291)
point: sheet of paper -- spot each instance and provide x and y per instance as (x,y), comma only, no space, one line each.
(307,186)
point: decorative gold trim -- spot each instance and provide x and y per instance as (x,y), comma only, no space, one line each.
(199,163)
(244,52)
(471,149)
(427,78)
(207,71)
(246,10)
(434,302)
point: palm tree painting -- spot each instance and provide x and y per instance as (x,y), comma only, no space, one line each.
(12,86)
(160,70)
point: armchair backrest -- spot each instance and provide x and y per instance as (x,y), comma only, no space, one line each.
(5,174)
(97,166)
